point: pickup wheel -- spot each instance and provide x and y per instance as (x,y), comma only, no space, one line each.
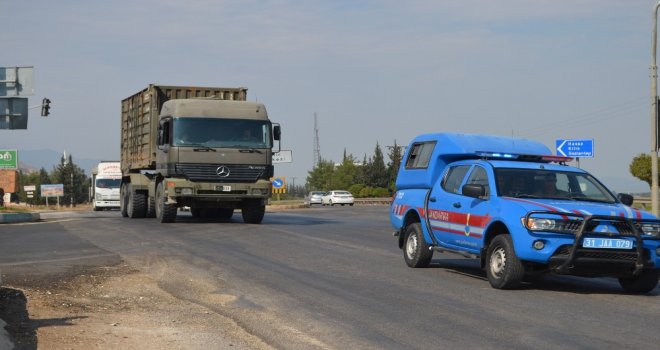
(642,283)
(164,212)
(503,268)
(416,251)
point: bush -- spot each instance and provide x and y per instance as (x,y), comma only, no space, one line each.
(355,189)
(380,192)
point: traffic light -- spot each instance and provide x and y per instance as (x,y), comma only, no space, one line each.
(45,107)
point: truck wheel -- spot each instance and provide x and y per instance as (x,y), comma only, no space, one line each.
(123,200)
(642,283)
(224,213)
(137,203)
(503,268)
(253,212)
(416,251)
(164,212)
(196,213)
(151,208)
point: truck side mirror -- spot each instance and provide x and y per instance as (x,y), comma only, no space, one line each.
(474,190)
(277,132)
(626,199)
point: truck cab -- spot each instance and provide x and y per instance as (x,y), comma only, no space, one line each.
(521,210)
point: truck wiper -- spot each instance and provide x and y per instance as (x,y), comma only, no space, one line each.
(249,150)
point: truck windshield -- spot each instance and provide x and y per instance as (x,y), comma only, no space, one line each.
(108,183)
(224,133)
(543,183)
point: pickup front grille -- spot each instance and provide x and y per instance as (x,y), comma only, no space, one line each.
(245,173)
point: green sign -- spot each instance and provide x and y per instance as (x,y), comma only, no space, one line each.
(8,159)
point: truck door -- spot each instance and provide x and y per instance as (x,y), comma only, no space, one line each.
(458,221)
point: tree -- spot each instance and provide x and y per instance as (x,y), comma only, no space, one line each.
(36,179)
(320,178)
(640,167)
(76,183)
(345,174)
(395,156)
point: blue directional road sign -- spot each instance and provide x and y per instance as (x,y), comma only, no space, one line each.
(575,148)
(278,183)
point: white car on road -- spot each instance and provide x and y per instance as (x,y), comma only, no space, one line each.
(338,197)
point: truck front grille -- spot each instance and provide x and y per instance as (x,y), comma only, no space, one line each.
(226,173)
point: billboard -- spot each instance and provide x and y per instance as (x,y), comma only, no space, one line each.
(56,190)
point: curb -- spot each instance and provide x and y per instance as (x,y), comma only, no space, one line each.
(9,218)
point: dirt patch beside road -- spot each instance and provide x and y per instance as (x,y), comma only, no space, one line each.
(114,307)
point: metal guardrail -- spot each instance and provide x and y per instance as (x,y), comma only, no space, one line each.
(644,202)
(358,201)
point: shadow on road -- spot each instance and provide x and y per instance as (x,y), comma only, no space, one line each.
(548,282)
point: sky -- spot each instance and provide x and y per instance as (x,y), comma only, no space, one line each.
(374,72)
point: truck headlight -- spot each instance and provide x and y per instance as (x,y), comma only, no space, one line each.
(186,191)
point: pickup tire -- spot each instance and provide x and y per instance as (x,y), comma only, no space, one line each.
(642,283)
(137,203)
(416,251)
(164,212)
(503,268)
(253,211)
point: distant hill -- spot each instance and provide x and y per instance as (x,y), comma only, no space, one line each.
(33,160)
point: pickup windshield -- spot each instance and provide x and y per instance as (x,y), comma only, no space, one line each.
(221,133)
(549,184)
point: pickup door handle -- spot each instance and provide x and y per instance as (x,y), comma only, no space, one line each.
(432,199)
(457,205)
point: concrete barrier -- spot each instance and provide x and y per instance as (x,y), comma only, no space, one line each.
(9,218)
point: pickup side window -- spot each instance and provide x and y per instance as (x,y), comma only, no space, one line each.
(454,178)
(420,154)
(478,176)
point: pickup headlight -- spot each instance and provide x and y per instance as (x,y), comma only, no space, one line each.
(650,229)
(554,225)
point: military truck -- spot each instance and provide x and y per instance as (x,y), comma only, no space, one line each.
(205,148)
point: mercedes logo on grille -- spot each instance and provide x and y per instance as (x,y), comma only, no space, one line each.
(222,171)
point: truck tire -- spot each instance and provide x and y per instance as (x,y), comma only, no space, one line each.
(123,200)
(253,212)
(137,203)
(224,213)
(164,212)
(642,283)
(503,268)
(416,251)
(151,208)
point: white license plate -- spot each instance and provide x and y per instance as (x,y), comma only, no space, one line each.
(607,243)
(223,188)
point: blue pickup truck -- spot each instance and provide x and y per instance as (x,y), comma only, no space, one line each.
(521,210)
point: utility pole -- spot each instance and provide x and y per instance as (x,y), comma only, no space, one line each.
(654,113)
(317,146)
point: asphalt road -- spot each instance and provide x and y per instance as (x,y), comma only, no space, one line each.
(335,278)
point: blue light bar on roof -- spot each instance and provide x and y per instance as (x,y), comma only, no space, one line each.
(497,155)
(524,157)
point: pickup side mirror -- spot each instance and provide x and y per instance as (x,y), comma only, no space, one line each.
(625,198)
(474,190)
